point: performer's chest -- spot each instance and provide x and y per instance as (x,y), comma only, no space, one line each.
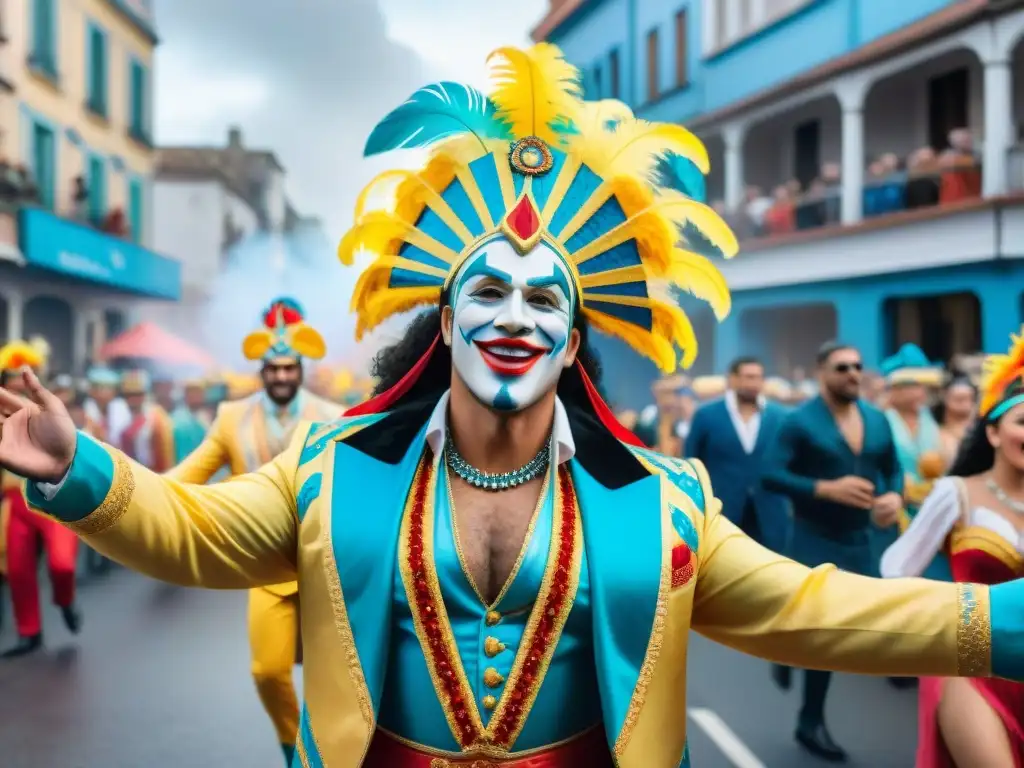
(491,530)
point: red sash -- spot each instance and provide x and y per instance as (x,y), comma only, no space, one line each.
(588,749)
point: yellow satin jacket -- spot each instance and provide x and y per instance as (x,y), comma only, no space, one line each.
(240,440)
(265,527)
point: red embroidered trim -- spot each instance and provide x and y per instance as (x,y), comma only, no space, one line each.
(682,565)
(429,614)
(541,642)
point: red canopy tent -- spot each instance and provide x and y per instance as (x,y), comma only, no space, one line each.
(149,341)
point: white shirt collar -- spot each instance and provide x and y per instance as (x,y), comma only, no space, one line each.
(733,403)
(437,430)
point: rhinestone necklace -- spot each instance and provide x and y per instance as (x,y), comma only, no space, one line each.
(499,481)
(1004,497)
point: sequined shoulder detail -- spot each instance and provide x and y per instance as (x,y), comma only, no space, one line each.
(322,433)
(114,504)
(679,472)
(974,631)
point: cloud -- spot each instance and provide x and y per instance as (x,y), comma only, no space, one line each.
(308,82)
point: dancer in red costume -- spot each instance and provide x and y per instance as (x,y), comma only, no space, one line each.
(24,529)
(973,515)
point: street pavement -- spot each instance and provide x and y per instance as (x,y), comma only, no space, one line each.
(159,678)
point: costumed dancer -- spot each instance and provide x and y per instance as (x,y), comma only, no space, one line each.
(974,516)
(190,420)
(834,457)
(24,529)
(908,375)
(149,436)
(107,412)
(731,436)
(490,568)
(245,435)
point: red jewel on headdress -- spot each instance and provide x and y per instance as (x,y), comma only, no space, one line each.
(523,220)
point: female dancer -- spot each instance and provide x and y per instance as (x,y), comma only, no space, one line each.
(955,414)
(977,515)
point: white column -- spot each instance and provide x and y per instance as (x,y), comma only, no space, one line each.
(853,162)
(732,137)
(80,337)
(998,95)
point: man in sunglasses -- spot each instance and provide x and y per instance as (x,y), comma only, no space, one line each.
(835,458)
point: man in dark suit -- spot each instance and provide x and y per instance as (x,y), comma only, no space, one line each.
(730,436)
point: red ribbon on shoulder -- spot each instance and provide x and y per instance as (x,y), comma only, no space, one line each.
(387,399)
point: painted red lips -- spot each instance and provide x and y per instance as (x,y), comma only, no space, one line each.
(510,357)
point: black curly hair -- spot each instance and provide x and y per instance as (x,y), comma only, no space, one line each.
(394,362)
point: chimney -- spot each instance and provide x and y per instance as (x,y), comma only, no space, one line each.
(234,137)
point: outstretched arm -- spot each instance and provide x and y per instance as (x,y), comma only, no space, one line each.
(755,601)
(232,535)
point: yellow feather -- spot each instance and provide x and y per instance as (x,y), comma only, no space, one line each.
(634,146)
(654,348)
(535,90)
(385,304)
(383,186)
(671,323)
(696,274)
(999,371)
(595,116)
(378,232)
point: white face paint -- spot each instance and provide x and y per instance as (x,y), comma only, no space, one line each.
(512,318)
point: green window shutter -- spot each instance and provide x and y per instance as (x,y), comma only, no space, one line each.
(42,33)
(138,100)
(44,158)
(97,185)
(135,204)
(98,71)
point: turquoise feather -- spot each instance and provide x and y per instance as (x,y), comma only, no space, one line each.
(434,113)
(676,172)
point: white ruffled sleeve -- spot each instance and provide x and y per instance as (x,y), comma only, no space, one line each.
(914,551)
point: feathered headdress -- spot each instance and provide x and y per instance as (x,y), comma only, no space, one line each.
(285,333)
(16,355)
(1002,380)
(616,196)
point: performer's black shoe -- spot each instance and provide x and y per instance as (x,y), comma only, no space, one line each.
(818,741)
(24,646)
(289,754)
(72,618)
(783,676)
(903,683)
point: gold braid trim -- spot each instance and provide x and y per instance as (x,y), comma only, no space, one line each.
(974,631)
(114,504)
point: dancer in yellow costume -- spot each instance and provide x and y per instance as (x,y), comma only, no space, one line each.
(245,435)
(492,571)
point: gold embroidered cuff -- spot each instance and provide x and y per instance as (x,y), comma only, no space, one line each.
(974,631)
(114,504)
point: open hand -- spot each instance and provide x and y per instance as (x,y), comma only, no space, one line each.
(37,435)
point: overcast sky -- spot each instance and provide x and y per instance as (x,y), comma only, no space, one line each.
(309,78)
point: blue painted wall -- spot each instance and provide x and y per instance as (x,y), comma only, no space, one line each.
(821,31)
(859,303)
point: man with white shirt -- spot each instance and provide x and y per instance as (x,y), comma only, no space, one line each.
(729,436)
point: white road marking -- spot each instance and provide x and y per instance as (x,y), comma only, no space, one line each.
(727,741)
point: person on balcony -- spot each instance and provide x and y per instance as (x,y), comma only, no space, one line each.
(780,219)
(960,168)
(25,529)
(923,179)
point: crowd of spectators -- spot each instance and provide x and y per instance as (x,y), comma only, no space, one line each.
(924,179)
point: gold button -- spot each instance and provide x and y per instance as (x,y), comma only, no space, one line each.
(492,618)
(493,646)
(493,678)
(490,702)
